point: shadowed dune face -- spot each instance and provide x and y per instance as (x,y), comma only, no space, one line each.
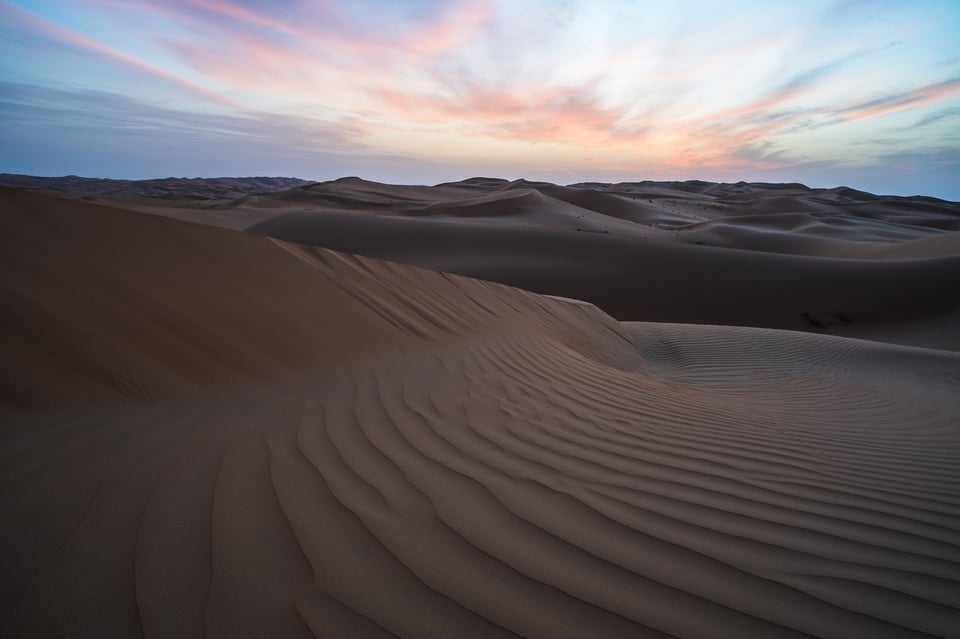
(156,307)
(211,433)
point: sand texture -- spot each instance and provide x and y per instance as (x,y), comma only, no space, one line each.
(212,433)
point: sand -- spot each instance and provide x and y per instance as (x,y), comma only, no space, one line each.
(207,432)
(828,261)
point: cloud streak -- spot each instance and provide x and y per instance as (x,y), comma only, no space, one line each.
(25,104)
(921,96)
(102,128)
(62,35)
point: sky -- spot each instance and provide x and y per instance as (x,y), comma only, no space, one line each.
(862,93)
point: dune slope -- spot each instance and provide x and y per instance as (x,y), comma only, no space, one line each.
(209,433)
(829,261)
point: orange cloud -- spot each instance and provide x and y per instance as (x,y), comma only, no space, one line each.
(570,115)
(721,139)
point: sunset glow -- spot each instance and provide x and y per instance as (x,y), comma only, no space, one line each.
(865,93)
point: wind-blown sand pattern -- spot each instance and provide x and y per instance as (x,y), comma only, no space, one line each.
(213,433)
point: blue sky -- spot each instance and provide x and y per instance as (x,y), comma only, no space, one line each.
(862,93)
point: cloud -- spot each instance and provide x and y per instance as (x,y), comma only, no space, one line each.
(915,98)
(60,35)
(24,104)
(534,81)
(571,114)
(57,132)
(795,88)
(345,33)
(727,138)
(296,52)
(939,116)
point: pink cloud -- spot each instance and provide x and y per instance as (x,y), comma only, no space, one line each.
(454,26)
(321,57)
(322,31)
(720,139)
(567,114)
(57,33)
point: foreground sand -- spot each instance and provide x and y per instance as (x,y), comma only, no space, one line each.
(211,433)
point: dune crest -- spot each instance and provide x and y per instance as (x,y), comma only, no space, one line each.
(149,307)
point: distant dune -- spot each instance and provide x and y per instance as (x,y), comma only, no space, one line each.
(274,433)
(832,261)
(828,261)
(167,188)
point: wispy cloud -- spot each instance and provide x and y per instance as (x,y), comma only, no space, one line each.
(298,54)
(62,35)
(572,114)
(24,104)
(921,96)
(82,131)
(939,116)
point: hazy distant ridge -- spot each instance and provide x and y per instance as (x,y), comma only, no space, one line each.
(168,188)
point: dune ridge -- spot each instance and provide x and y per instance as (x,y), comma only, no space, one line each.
(830,261)
(835,261)
(170,188)
(213,433)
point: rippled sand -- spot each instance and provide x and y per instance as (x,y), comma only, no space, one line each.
(213,433)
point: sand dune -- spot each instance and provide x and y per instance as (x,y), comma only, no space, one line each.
(156,307)
(183,189)
(213,433)
(778,256)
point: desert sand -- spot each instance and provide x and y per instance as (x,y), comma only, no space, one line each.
(480,409)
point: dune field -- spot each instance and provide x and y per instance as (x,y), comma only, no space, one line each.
(478,409)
